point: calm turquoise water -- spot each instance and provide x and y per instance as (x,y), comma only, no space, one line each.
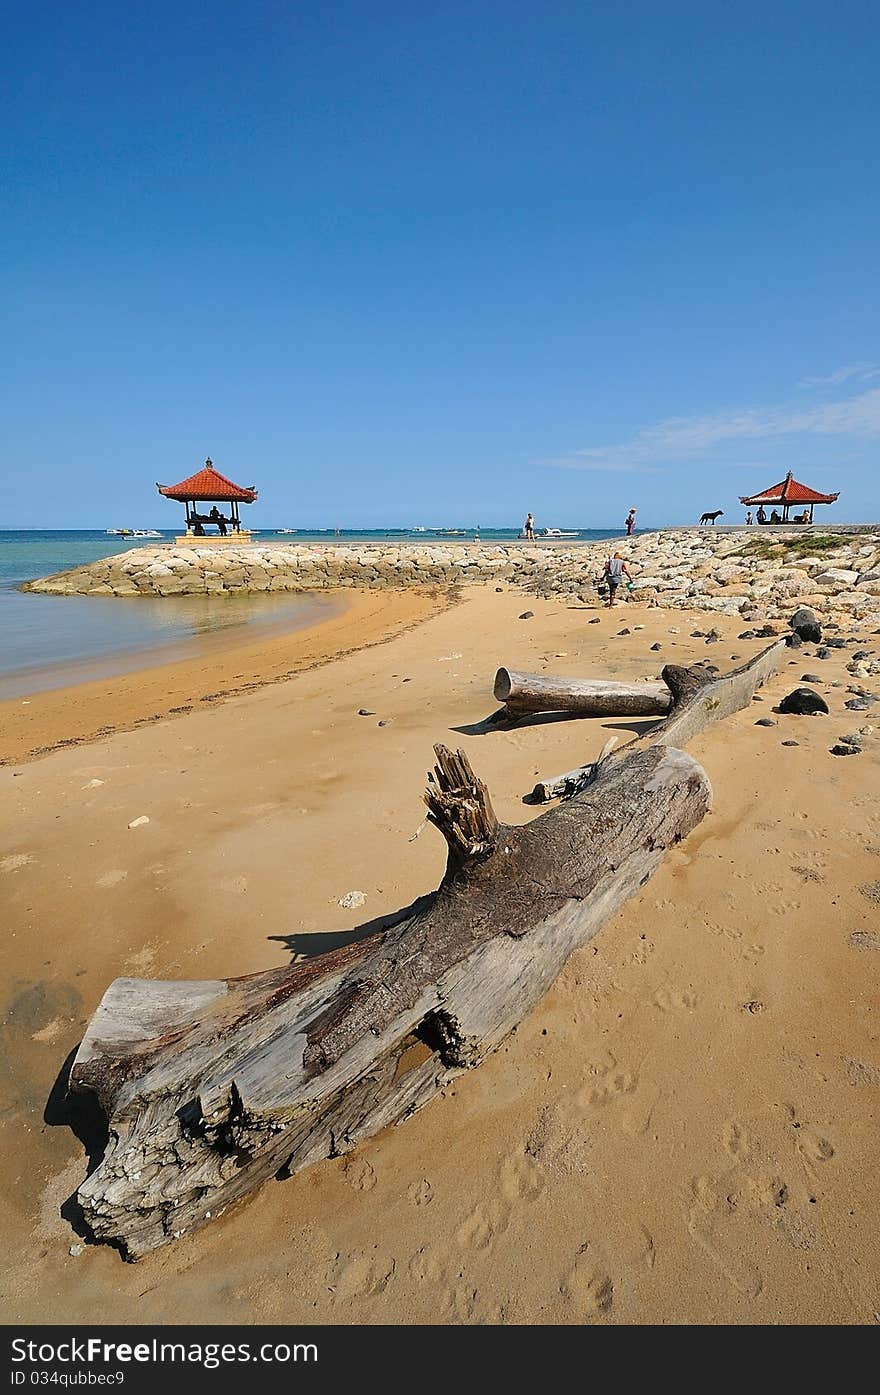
(50,641)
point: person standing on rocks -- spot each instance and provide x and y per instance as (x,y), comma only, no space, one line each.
(630,523)
(529,528)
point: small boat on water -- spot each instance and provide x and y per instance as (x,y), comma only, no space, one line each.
(133,533)
(283,530)
(559,533)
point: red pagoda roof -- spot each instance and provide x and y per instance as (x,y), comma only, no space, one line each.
(209,485)
(790,492)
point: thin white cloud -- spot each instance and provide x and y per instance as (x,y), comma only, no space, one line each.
(682,438)
(861,372)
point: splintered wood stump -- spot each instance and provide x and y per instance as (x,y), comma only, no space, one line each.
(526,693)
(210,1088)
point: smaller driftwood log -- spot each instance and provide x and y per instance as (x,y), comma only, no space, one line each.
(524,694)
(697,699)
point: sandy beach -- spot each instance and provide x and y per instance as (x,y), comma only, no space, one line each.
(684,1130)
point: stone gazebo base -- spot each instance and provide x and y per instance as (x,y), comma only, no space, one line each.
(215,539)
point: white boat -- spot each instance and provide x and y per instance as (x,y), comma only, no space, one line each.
(283,530)
(119,533)
(559,533)
(146,533)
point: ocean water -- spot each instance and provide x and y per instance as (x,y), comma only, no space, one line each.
(51,641)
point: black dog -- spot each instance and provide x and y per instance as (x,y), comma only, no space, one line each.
(712,517)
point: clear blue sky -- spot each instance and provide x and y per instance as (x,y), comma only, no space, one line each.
(404,264)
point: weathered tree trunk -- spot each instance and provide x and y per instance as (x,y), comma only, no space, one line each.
(526,693)
(210,1088)
(697,699)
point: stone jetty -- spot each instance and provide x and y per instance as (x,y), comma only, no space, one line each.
(755,574)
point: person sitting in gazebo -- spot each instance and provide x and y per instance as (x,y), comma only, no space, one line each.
(217,517)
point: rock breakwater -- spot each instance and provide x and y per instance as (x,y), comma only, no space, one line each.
(757,576)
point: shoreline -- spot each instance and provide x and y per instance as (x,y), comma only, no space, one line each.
(36,723)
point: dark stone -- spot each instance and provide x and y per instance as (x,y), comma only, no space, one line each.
(803,702)
(499,589)
(698,634)
(765,722)
(596,620)
(845,749)
(822,653)
(836,643)
(766,632)
(747,634)
(793,640)
(385,722)
(810,678)
(365,712)
(862,654)
(857,704)
(656,646)
(805,623)
(527,615)
(624,631)
(791,743)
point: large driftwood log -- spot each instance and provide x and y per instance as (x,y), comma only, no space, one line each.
(210,1088)
(698,698)
(527,693)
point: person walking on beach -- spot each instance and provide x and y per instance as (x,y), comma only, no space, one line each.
(529,528)
(630,523)
(615,571)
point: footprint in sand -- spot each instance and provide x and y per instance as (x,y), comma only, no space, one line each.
(714,1203)
(670,999)
(429,1265)
(360,1275)
(360,1175)
(588,1286)
(813,1146)
(421,1193)
(738,1141)
(479,1229)
(521,1180)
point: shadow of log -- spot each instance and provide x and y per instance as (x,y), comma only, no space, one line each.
(309,944)
(85,1118)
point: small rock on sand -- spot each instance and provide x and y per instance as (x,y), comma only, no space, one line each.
(765,722)
(864,939)
(351,900)
(139,823)
(527,615)
(803,702)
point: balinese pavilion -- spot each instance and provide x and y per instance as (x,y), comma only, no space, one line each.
(205,487)
(787,495)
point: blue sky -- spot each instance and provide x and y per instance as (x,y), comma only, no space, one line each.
(414,265)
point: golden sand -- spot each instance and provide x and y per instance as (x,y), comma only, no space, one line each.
(684,1130)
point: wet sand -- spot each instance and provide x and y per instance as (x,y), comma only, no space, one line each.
(684,1130)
